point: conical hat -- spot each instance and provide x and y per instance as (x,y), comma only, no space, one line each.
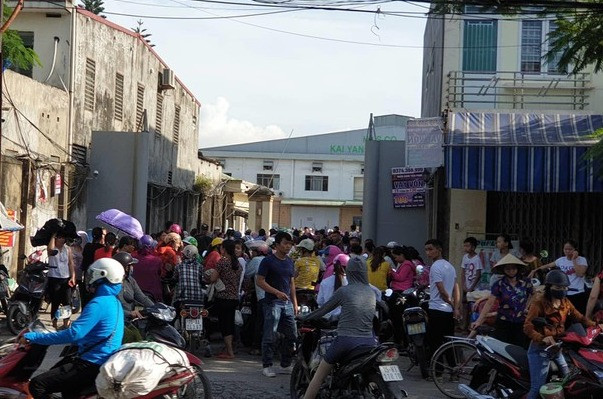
(509,259)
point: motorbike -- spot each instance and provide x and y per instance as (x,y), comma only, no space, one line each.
(365,372)
(306,301)
(4,289)
(412,305)
(190,325)
(17,367)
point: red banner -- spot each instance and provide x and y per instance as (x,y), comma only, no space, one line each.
(6,237)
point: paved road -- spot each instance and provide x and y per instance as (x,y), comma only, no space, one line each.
(242,378)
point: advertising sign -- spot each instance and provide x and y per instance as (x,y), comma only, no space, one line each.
(424,139)
(408,187)
(6,237)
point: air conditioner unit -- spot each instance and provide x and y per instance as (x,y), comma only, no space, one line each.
(167,80)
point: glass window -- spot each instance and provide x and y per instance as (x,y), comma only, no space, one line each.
(317,167)
(531,46)
(317,183)
(269,180)
(553,64)
(268,165)
(479,45)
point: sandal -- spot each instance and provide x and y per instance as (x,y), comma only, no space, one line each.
(224,356)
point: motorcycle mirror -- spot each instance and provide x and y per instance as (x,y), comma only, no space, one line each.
(388,292)
(419,269)
(535,282)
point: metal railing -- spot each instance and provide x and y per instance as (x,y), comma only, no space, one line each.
(517,90)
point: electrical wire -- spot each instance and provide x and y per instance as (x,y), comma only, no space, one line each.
(197,18)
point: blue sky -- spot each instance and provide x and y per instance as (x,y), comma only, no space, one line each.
(257,84)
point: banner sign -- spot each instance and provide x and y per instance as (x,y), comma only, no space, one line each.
(6,237)
(408,187)
(424,139)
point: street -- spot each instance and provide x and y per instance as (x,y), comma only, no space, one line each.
(242,379)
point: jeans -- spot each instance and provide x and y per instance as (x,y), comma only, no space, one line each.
(278,316)
(539,367)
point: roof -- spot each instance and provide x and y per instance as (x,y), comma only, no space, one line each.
(129,32)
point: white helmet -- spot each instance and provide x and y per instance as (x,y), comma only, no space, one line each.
(392,244)
(105,268)
(190,252)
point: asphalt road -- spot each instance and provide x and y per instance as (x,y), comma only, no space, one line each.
(241,378)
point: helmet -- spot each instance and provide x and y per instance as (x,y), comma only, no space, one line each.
(175,228)
(216,241)
(557,277)
(392,244)
(190,252)
(105,270)
(342,259)
(191,241)
(146,241)
(125,259)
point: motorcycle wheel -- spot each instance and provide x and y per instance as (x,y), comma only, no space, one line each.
(299,381)
(198,388)
(378,389)
(16,320)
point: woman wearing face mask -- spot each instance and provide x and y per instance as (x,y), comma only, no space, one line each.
(513,293)
(556,309)
(130,293)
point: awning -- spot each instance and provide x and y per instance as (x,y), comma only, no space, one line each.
(521,152)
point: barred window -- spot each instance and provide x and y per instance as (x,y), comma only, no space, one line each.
(159,115)
(269,180)
(119,96)
(176,137)
(139,105)
(317,183)
(90,84)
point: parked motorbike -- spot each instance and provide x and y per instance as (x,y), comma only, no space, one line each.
(155,325)
(365,372)
(4,289)
(306,301)
(18,366)
(190,325)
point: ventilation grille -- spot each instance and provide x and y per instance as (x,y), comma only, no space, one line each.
(169,182)
(159,115)
(90,83)
(139,105)
(119,97)
(177,125)
(78,153)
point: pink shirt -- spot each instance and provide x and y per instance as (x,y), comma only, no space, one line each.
(403,277)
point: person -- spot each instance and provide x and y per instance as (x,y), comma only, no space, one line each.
(169,253)
(332,284)
(98,241)
(307,266)
(575,267)
(126,244)
(471,272)
(108,249)
(61,276)
(355,326)
(445,297)
(422,278)
(378,269)
(189,277)
(98,333)
(259,250)
(504,247)
(77,252)
(203,239)
(130,294)
(148,270)
(276,277)
(556,308)
(214,255)
(229,271)
(526,249)
(403,277)
(595,300)
(513,294)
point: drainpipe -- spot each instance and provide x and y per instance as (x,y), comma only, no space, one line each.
(72,56)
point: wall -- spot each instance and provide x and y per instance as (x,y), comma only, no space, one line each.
(431,101)
(346,216)
(467,218)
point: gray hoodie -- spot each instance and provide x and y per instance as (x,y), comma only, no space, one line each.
(357,301)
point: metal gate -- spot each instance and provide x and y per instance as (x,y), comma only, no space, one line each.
(549,219)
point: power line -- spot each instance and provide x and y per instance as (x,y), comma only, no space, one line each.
(197,18)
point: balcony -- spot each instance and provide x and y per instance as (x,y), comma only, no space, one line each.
(517,90)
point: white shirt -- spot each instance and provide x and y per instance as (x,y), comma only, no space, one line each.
(471,266)
(567,266)
(441,272)
(327,287)
(59,264)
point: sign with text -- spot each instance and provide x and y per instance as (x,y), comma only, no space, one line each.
(424,140)
(408,187)
(6,237)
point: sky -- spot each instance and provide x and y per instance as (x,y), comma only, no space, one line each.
(255,83)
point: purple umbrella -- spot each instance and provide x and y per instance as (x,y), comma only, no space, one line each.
(122,222)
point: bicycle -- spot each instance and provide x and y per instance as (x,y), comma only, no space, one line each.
(452,364)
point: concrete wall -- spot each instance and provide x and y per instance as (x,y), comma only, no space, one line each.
(433,40)
(467,218)
(346,216)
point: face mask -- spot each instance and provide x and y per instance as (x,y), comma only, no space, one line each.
(558,294)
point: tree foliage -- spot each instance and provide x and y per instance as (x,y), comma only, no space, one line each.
(143,32)
(94,6)
(14,51)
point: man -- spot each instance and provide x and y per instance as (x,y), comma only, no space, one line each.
(276,277)
(203,239)
(445,296)
(98,332)
(98,241)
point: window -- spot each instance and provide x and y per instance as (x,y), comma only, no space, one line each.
(78,154)
(535,45)
(317,183)
(158,115)
(358,188)
(317,167)
(268,165)
(119,96)
(139,106)
(269,180)
(28,42)
(479,45)
(176,125)
(89,84)
(361,168)
(169,178)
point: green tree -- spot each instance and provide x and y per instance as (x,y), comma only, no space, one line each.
(94,6)
(143,32)
(14,51)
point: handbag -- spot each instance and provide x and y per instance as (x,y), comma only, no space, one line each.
(238,319)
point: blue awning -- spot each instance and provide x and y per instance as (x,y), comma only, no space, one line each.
(521,152)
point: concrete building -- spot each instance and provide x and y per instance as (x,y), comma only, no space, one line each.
(317,180)
(116,82)
(516,127)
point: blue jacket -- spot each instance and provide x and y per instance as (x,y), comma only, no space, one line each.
(100,318)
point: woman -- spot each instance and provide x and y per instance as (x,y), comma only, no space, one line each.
(148,270)
(403,277)
(126,244)
(330,253)
(513,294)
(130,294)
(556,308)
(214,254)
(355,327)
(574,266)
(378,269)
(526,249)
(333,283)
(107,250)
(77,252)
(423,276)
(504,247)
(596,298)
(61,276)
(229,271)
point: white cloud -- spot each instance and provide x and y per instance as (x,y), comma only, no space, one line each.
(217,128)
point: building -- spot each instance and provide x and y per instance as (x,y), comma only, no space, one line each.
(118,82)
(317,180)
(516,126)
